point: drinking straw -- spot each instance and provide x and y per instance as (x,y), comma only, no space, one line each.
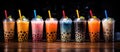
(20,14)
(35,15)
(49,14)
(77,13)
(91,14)
(106,15)
(63,12)
(5,11)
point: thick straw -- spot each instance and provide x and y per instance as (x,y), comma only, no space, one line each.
(35,15)
(63,12)
(106,15)
(91,14)
(6,14)
(77,13)
(49,14)
(20,14)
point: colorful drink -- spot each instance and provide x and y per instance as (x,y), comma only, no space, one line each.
(22,29)
(37,29)
(80,29)
(8,26)
(94,29)
(65,29)
(51,29)
(108,29)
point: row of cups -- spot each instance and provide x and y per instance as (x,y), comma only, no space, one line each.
(51,25)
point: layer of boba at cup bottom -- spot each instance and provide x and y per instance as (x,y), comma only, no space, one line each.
(94,37)
(65,37)
(79,37)
(9,35)
(23,36)
(51,37)
(108,35)
(37,37)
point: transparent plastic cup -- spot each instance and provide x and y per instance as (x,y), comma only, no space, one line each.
(65,29)
(9,26)
(23,29)
(80,29)
(108,29)
(94,29)
(37,29)
(51,29)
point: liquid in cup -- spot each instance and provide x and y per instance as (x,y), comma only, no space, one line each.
(23,29)
(8,26)
(80,29)
(94,29)
(108,29)
(51,29)
(65,29)
(37,28)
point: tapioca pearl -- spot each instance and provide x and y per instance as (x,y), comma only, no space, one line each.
(107,29)
(54,36)
(8,32)
(50,36)
(10,36)
(54,32)
(108,33)
(47,33)
(92,33)
(64,32)
(20,31)
(51,32)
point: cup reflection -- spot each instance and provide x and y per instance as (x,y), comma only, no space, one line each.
(36,47)
(51,47)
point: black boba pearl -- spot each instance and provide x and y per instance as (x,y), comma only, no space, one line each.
(12,32)
(63,32)
(54,32)
(47,33)
(91,32)
(20,31)
(67,33)
(9,32)
(22,34)
(51,33)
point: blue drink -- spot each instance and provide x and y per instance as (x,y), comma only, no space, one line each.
(65,28)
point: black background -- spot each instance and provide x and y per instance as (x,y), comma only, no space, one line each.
(56,7)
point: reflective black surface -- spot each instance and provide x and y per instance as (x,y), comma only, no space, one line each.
(59,47)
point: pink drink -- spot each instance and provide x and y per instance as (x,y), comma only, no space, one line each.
(37,29)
